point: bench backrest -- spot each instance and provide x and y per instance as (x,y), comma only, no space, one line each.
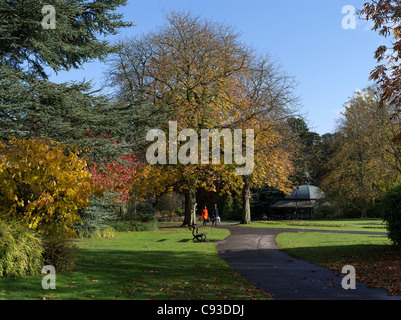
(194,228)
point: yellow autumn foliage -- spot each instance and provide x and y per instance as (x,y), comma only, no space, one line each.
(43,184)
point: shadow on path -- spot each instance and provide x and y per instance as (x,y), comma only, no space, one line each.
(253,253)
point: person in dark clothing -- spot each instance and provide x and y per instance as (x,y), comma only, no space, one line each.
(215,215)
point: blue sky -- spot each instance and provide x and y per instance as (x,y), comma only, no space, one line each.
(305,36)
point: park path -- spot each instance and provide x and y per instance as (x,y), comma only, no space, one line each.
(253,253)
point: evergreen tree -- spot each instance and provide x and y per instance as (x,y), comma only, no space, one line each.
(96,216)
(26,44)
(68,113)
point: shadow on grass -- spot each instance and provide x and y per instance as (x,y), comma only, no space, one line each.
(140,275)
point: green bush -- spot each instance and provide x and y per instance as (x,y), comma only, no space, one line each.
(20,250)
(134,217)
(130,225)
(391,208)
(95,217)
(60,253)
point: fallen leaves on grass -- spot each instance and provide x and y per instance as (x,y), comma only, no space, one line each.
(379,268)
(209,287)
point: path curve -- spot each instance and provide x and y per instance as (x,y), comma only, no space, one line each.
(253,253)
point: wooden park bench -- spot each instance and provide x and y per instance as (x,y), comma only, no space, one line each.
(198,237)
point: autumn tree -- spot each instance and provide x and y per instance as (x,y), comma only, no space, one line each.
(263,100)
(187,66)
(43,184)
(273,167)
(207,79)
(366,163)
(385,15)
(116,177)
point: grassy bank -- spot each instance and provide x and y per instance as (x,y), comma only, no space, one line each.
(163,264)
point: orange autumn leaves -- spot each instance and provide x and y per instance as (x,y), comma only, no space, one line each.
(43,184)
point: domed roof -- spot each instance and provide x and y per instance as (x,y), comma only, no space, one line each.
(305,192)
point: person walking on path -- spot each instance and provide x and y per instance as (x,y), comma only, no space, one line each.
(205,215)
(215,215)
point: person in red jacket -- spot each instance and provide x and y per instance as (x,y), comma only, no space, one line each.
(205,215)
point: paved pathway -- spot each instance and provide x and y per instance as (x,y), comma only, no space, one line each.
(253,253)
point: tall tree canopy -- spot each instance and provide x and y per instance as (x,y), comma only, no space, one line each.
(187,66)
(310,154)
(206,78)
(70,113)
(25,44)
(366,163)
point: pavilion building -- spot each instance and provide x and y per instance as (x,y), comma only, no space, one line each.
(298,205)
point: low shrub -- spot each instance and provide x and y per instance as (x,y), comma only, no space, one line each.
(20,250)
(59,252)
(173,218)
(136,211)
(107,232)
(130,225)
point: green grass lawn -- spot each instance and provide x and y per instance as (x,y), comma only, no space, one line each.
(163,264)
(370,225)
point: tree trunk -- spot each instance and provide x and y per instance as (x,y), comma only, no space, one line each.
(246,207)
(190,205)
(364,209)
